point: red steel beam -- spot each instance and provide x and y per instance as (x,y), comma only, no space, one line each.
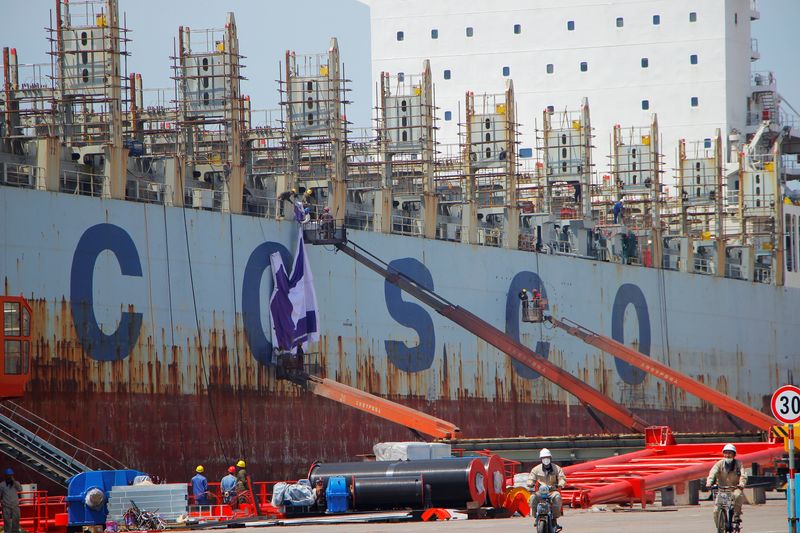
(673,377)
(631,476)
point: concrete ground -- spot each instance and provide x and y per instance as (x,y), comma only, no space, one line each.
(768,518)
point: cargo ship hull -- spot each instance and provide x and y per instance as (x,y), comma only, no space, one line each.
(152,336)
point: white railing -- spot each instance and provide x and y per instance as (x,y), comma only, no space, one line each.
(733,271)
(490,237)
(201,198)
(83,183)
(703,266)
(762,275)
(19,175)
(145,191)
(406,225)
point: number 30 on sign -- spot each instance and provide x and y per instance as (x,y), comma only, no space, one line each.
(786,404)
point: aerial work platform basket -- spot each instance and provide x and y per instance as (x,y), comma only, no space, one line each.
(533,310)
(324,232)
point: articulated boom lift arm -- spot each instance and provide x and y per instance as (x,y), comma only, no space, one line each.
(589,396)
(704,392)
(382,408)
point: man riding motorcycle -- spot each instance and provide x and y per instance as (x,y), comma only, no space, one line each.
(730,472)
(550,474)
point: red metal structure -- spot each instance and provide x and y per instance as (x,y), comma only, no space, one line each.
(663,463)
(15,346)
(724,402)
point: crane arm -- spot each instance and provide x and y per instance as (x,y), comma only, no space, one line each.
(724,402)
(382,408)
(585,393)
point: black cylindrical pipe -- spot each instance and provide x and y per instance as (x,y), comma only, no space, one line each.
(454,482)
(396,492)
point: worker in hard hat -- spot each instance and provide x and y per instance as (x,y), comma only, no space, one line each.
(550,474)
(9,497)
(285,196)
(729,472)
(200,486)
(228,485)
(242,483)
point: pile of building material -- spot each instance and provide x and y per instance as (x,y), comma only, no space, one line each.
(168,501)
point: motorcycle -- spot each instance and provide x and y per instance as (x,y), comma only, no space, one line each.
(723,509)
(544,519)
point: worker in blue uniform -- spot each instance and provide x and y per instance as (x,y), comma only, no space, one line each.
(200,487)
(228,485)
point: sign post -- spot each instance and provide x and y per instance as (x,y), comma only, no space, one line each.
(786,408)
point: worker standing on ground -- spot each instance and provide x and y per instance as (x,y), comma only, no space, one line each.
(200,487)
(242,483)
(9,497)
(228,485)
(729,472)
(550,474)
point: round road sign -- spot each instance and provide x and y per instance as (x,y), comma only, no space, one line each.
(786,404)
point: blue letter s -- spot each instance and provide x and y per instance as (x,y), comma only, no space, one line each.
(411,315)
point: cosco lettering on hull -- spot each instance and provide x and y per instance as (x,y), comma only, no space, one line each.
(409,358)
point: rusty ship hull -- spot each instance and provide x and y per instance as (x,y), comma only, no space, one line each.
(152,336)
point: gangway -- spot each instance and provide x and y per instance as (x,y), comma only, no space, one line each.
(662,463)
(591,398)
(46,449)
(730,406)
(25,436)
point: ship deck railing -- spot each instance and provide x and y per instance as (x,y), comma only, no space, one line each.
(82,183)
(703,265)
(407,225)
(19,174)
(762,274)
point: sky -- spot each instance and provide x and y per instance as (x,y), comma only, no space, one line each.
(267,28)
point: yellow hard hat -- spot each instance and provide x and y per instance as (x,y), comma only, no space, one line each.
(240,464)
(309,192)
(294,191)
(199,469)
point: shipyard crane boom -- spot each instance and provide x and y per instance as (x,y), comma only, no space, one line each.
(591,398)
(724,402)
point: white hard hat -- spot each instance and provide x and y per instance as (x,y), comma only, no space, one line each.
(729,448)
(545,453)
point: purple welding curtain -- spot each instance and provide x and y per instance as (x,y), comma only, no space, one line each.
(293,304)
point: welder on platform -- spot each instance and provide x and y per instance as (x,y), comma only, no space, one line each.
(537,299)
(200,487)
(9,497)
(228,485)
(327,223)
(242,484)
(729,472)
(550,474)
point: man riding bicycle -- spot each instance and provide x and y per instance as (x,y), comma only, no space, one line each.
(729,472)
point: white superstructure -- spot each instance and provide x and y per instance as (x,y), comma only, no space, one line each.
(686,60)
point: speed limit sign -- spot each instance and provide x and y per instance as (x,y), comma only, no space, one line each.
(786,404)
